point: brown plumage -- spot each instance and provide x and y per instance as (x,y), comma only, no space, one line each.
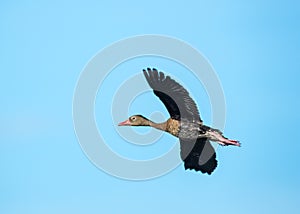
(184,123)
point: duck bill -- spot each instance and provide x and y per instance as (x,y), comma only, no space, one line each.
(124,123)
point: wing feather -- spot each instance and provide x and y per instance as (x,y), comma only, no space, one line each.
(175,97)
(199,155)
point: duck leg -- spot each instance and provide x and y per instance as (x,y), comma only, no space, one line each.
(215,135)
(226,142)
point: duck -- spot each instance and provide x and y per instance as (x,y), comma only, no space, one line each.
(196,149)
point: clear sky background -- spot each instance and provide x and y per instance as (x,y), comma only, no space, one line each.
(254,48)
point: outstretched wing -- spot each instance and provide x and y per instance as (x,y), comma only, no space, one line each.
(199,155)
(176,98)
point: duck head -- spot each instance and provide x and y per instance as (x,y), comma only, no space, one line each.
(135,120)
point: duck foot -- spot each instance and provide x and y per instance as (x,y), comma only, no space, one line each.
(227,142)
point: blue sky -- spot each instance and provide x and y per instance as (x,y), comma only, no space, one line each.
(253,47)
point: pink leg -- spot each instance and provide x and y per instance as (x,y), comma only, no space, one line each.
(230,142)
(222,140)
(221,143)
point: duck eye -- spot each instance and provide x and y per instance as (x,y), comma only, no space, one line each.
(133,118)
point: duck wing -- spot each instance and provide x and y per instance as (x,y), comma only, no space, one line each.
(175,97)
(198,155)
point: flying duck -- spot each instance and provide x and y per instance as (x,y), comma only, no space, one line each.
(185,123)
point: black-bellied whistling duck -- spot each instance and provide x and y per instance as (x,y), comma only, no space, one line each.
(184,123)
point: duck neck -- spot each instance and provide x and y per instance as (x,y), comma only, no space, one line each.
(160,126)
